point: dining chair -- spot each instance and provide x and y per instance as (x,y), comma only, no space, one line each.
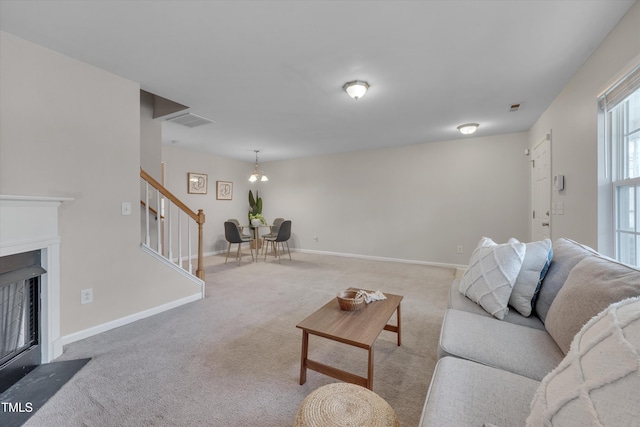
(273,232)
(241,229)
(232,234)
(284,234)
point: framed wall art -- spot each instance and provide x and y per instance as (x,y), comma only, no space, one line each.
(197,183)
(224,190)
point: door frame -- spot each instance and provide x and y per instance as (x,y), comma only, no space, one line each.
(533,224)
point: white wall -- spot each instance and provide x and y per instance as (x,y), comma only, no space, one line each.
(573,120)
(179,162)
(415,203)
(70,129)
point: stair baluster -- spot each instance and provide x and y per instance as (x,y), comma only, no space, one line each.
(165,222)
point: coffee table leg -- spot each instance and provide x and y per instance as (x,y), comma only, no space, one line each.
(370,370)
(303,358)
(399,326)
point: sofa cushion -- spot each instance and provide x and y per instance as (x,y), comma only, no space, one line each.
(460,302)
(464,393)
(524,351)
(492,271)
(566,254)
(536,263)
(598,382)
(593,284)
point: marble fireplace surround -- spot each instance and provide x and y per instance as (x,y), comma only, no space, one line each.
(29,223)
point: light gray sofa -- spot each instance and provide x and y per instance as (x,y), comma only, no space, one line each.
(489,369)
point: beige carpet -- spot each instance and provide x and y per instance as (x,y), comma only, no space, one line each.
(233,359)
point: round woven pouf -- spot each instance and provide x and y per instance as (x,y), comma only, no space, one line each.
(347,405)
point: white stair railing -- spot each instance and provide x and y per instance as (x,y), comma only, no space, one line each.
(167,223)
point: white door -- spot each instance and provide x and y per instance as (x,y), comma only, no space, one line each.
(541,190)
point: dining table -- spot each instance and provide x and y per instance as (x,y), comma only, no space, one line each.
(256,233)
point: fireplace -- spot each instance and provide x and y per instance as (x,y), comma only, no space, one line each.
(29,234)
(19,316)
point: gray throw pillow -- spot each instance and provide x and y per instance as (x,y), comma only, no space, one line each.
(594,283)
(537,259)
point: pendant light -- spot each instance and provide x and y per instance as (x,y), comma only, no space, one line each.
(257,173)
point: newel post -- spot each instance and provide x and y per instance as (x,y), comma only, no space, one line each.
(200,269)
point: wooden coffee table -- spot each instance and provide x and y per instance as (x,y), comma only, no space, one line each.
(357,328)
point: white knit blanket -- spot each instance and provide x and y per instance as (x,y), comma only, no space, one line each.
(371,296)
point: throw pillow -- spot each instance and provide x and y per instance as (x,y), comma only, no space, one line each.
(566,254)
(593,284)
(597,382)
(534,267)
(492,271)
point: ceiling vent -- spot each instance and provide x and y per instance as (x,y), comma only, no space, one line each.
(189,120)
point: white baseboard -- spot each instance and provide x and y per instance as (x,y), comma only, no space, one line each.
(89,332)
(460,268)
(460,271)
(204,254)
(377,258)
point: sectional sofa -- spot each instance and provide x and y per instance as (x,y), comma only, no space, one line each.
(539,334)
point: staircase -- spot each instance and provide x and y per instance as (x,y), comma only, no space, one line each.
(168,228)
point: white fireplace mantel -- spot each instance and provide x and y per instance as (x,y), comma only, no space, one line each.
(29,223)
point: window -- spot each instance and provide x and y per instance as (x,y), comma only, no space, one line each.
(622,113)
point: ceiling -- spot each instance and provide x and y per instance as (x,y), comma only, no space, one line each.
(270,73)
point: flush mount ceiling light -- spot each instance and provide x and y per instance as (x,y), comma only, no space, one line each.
(356,89)
(468,128)
(257,173)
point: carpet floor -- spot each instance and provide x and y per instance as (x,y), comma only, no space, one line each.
(233,358)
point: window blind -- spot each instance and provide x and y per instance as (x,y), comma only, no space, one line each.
(621,91)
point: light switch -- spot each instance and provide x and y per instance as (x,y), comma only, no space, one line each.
(126,208)
(560,208)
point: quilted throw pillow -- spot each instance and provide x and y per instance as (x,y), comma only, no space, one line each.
(492,271)
(597,383)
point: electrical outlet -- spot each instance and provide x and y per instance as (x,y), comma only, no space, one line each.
(86,296)
(460,249)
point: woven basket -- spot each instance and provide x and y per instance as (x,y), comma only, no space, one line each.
(350,301)
(345,405)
